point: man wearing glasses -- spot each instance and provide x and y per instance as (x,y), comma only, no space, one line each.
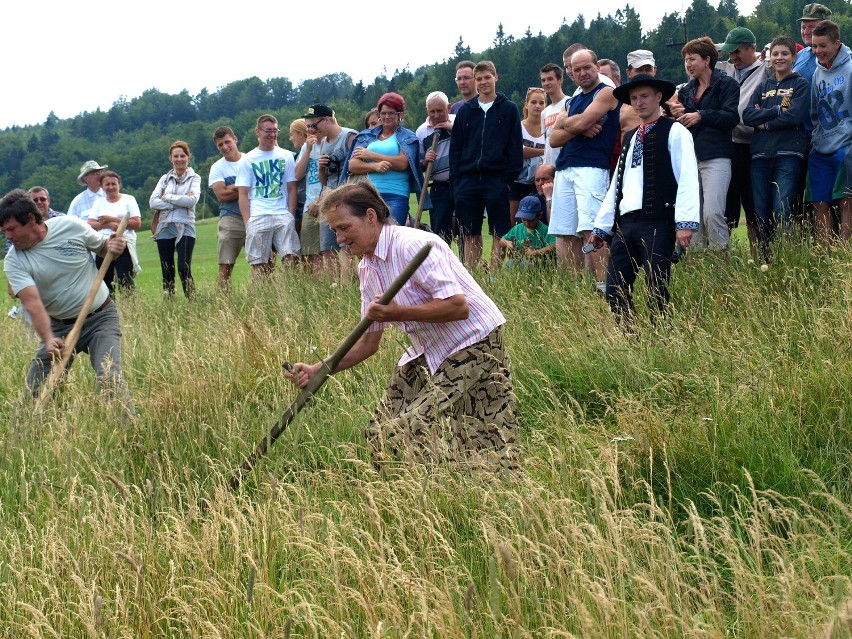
(268,189)
(335,145)
(90,177)
(336,141)
(41,198)
(465,84)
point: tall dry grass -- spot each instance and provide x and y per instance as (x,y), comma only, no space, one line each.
(693,481)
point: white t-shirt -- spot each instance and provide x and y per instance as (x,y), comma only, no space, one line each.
(267,174)
(527,175)
(313,186)
(548,119)
(60,267)
(126,204)
(226,172)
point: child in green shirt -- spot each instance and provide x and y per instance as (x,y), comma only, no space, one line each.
(529,240)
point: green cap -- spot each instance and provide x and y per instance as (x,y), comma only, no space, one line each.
(815,12)
(736,37)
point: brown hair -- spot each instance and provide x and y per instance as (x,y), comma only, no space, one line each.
(113,174)
(702,47)
(19,206)
(783,41)
(179,144)
(571,50)
(266,117)
(357,198)
(551,67)
(530,91)
(827,28)
(483,66)
(367,117)
(223,132)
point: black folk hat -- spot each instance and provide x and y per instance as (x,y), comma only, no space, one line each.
(622,93)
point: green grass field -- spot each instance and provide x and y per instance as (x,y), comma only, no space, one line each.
(693,481)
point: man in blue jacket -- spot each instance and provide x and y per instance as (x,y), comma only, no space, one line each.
(486,155)
(805,65)
(831,97)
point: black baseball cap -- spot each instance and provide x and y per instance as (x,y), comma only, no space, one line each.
(318,111)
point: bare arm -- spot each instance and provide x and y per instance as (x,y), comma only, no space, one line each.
(292,196)
(531,252)
(225,192)
(397,162)
(301,166)
(568,127)
(104,222)
(111,222)
(365,347)
(244,203)
(114,245)
(31,300)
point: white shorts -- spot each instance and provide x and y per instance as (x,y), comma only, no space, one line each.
(264,232)
(578,193)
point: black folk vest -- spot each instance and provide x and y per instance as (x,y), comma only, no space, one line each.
(659,189)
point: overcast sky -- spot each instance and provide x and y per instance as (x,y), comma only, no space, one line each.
(70,57)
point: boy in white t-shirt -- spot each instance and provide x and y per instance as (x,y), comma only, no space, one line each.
(267,190)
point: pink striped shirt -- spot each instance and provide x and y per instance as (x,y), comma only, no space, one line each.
(441,276)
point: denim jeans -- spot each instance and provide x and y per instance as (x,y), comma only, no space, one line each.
(398,206)
(775,182)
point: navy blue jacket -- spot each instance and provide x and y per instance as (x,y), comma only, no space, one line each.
(719,109)
(487,144)
(781,107)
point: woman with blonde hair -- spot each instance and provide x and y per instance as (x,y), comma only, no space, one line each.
(298,136)
(173,200)
(533,140)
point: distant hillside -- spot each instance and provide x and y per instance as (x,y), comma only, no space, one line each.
(133,135)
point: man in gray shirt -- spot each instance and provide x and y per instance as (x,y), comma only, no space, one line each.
(50,270)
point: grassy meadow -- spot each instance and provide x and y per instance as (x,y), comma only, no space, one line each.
(692,481)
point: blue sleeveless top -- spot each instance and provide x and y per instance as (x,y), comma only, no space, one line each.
(597,151)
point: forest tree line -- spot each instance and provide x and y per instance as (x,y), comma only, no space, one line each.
(133,136)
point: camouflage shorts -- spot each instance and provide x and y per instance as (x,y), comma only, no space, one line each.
(465,412)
